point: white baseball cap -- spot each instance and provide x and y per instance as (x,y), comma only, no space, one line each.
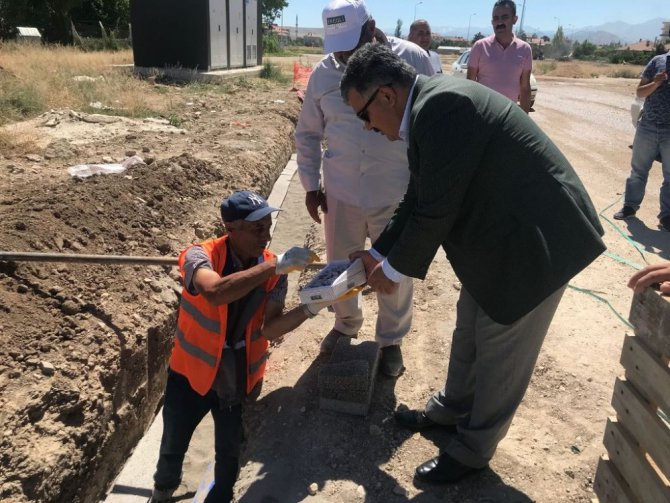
(342,23)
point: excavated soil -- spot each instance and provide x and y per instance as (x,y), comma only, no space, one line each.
(83,348)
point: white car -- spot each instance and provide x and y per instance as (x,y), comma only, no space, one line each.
(459,68)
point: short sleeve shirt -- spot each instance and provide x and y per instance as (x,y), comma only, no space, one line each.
(500,68)
(657,105)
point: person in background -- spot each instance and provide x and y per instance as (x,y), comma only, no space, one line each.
(502,61)
(364,176)
(516,224)
(655,274)
(652,140)
(231,307)
(420,34)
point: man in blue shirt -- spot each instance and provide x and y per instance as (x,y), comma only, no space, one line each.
(652,139)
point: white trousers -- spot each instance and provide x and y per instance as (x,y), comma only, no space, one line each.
(346,228)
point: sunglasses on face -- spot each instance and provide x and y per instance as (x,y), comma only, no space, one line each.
(362,114)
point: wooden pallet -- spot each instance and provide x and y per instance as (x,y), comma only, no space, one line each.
(637,466)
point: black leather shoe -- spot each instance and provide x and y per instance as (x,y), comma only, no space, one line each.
(664,223)
(624,213)
(444,470)
(415,420)
(390,361)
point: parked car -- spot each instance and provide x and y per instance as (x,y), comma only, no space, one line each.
(459,68)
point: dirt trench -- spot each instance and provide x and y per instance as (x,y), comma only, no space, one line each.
(84,348)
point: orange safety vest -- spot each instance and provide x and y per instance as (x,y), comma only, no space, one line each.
(201,330)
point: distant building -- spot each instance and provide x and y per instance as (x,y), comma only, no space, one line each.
(453,40)
(665,31)
(28,34)
(643,46)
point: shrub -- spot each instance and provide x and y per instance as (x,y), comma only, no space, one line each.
(271,45)
(273,72)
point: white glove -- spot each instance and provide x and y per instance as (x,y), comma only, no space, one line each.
(312,309)
(295,259)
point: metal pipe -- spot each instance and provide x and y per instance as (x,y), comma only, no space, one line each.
(99,259)
(86,259)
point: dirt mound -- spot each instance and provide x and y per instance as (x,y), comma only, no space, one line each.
(83,348)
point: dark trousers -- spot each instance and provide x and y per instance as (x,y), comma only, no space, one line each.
(182,412)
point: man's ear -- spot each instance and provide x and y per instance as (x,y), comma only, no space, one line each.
(389,95)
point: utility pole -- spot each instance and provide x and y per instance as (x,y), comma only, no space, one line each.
(467,38)
(523,13)
(296,27)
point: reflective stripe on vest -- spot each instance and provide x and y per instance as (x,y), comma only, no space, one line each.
(202,320)
(255,366)
(195,351)
(201,330)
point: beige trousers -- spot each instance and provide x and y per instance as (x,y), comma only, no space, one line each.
(346,228)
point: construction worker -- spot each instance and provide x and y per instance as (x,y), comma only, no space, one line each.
(231,307)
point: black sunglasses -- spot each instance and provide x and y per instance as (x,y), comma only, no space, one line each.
(362,114)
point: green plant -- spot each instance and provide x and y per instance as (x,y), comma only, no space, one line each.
(545,67)
(271,45)
(19,100)
(175,120)
(273,72)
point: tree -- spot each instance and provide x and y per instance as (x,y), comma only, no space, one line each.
(478,36)
(113,14)
(271,10)
(51,17)
(559,45)
(398,29)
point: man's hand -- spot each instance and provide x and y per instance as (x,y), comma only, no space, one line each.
(314,200)
(379,283)
(368,261)
(661,77)
(295,259)
(650,275)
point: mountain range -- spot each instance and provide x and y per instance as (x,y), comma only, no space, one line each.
(606,33)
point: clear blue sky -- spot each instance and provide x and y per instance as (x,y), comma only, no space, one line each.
(540,14)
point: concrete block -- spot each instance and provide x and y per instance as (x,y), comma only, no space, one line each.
(346,382)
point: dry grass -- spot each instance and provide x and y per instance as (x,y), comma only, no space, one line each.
(34,79)
(585,69)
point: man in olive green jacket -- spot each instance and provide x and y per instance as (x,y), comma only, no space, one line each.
(490,188)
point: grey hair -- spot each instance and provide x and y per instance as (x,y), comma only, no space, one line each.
(375,65)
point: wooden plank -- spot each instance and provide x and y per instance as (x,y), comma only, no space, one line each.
(633,466)
(650,315)
(609,485)
(640,419)
(647,372)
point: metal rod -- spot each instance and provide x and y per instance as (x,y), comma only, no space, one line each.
(86,259)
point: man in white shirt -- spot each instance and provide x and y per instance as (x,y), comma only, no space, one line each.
(420,34)
(364,176)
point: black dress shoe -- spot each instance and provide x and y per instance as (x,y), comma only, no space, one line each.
(444,470)
(415,420)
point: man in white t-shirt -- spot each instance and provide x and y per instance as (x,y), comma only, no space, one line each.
(364,176)
(420,34)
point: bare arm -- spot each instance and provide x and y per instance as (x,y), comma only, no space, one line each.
(472,73)
(524,91)
(278,323)
(219,290)
(647,87)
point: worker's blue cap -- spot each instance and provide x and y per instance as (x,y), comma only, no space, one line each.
(245,205)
